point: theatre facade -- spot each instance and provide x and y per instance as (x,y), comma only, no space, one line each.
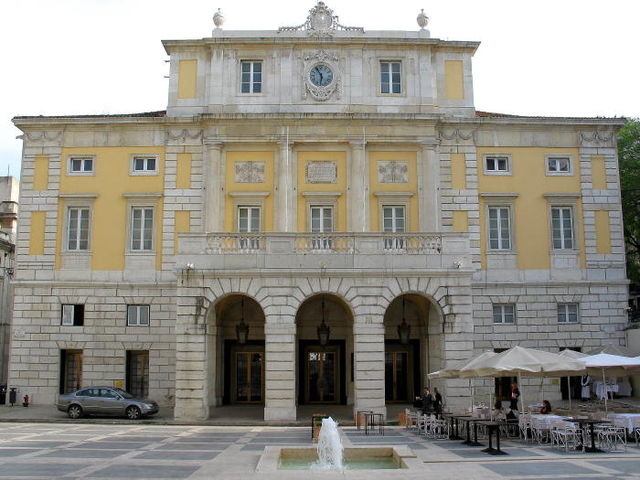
(320,216)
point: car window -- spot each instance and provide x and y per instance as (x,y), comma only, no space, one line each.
(84,393)
(123,393)
(107,393)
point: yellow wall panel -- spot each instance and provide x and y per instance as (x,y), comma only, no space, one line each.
(247,189)
(454,79)
(183,224)
(110,211)
(41,173)
(36,238)
(187,78)
(458,171)
(598,173)
(183,170)
(460,221)
(603,233)
(530,228)
(340,213)
(410,187)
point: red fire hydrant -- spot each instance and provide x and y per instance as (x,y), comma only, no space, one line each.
(25,401)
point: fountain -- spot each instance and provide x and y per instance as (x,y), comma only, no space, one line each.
(330,449)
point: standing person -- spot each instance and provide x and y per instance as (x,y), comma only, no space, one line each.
(427,402)
(437,401)
(515,394)
(586,382)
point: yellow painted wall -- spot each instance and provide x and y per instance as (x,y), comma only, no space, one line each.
(36,237)
(458,171)
(110,214)
(41,173)
(340,158)
(454,79)
(230,220)
(375,218)
(460,221)
(187,78)
(183,224)
(598,173)
(530,214)
(603,234)
(183,170)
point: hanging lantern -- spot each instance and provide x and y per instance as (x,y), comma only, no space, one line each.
(242,329)
(323,329)
(404,329)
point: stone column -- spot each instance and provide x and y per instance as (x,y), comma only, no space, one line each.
(428,188)
(214,187)
(280,368)
(285,180)
(358,188)
(368,347)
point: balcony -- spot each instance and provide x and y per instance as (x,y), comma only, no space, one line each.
(300,251)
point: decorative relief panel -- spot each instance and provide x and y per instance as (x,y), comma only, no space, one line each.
(249,172)
(393,172)
(321,172)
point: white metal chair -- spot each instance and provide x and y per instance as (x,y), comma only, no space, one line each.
(564,435)
(611,437)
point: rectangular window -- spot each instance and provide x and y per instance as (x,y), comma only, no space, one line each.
(499,228)
(78,229)
(504,313)
(142,229)
(251,77)
(137,315)
(393,221)
(321,222)
(562,227)
(497,164)
(80,165)
(567,313)
(559,165)
(390,78)
(142,165)
(72,315)
(249,222)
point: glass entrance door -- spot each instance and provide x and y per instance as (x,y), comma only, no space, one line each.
(322,375)
(248,376)
(396,376)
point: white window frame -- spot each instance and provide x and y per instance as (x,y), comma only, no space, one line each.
(563,240)
(323,240)
(548,159)
(252,83)
(394,243)
(502,310)
(84,159)
(499,208)
(68,237)
(145,158)
(387,64)
(564,314)
(68,314)
(144,208)
(250,242)
(496,157)
(135,315)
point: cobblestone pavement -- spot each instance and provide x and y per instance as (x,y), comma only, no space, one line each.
(70,451)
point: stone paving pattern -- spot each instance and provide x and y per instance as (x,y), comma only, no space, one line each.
(72,451)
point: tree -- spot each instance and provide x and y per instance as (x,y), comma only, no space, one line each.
(629,159)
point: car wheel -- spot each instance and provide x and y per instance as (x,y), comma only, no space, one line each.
(74,411)
(133,413)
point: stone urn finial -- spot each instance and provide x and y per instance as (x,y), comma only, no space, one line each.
(218,19)
(422,19)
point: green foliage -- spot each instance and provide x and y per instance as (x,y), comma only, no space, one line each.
(629,158)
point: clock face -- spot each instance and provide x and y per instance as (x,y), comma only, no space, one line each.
(321,75)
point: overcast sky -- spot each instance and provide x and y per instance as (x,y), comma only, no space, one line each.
(544,57)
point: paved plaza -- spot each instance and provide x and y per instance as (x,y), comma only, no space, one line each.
(78,450)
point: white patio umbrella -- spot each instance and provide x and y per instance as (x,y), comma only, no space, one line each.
(612,350)
(572,354)
(468,367)
(616,365)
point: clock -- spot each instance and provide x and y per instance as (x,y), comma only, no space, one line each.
(321,75)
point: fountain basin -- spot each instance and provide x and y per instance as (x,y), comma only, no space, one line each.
(355,458)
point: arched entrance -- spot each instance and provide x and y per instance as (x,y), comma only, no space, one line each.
(413,346)
(238,338)
(324,328)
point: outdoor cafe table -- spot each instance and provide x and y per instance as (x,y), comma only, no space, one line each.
(453,421)
(475,421)
(493,427)
(626,420)
(591,423)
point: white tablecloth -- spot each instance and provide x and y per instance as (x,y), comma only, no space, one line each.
(600,389)
(626,420)
(546,421)
(481,412)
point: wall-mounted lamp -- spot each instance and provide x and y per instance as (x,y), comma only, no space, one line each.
(242,329)
(323,329)
(404,329)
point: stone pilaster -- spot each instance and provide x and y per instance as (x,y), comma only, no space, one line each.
(214,186)
(368,346)
(428,188)
(359,188)
(285,189)
(280,376)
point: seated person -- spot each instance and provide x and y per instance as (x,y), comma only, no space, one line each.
(546,407)
(498,412)
(512,415)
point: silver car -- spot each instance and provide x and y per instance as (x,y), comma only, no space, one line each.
(105,401)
